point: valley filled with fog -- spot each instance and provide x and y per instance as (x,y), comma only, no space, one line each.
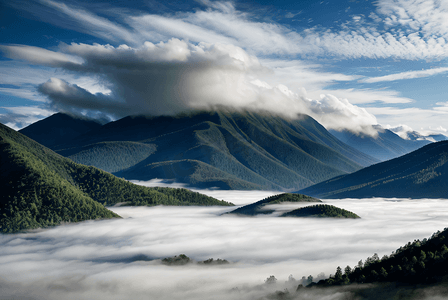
(120,258)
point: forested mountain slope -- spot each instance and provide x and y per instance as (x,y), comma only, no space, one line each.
(40,188)
(416,263)
(230,150)
(257,208)
(420,174)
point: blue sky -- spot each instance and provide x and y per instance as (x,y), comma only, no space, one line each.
(349,64)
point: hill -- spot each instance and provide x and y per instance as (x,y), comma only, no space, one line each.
(257,207)
(321,211)
(419,262)
(230,150)
(387,145)
(40,188)
(419,174)
(59,128)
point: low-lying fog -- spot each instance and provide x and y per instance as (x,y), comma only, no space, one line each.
(118,259)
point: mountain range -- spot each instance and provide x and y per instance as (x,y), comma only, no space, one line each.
(386,145)
(229,150)
(422,173)
(41,188)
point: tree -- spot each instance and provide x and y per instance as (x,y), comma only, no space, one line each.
(383,274)
(338,275)
(271,280)
(360,264)
(347,271)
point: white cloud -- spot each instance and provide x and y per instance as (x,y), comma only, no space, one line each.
(422,119)
(406,75)
(176,76)
(22,116)
(423,37)
(100,259)
(340,114)
(429,17)
(36,55)
(94,24)
(364,96)
(222,24)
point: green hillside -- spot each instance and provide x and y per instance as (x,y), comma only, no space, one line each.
(224,149)
(321,211)
(41,188)
(419,174)
(110,156)
(258,207)
(419,262)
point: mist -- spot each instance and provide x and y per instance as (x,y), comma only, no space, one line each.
(120,259)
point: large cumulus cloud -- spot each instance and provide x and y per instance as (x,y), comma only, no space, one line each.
(177,76)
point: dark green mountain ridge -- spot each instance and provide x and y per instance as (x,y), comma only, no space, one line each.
(321,211)
(420,174)
(257,207)
(41,188)
(230,150)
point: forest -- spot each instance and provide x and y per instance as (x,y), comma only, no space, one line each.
(41,188)
(321,211)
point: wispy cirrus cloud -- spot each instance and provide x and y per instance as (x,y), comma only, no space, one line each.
(37,55)
(419,30)
(406,75)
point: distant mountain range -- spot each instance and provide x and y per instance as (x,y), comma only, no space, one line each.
(385,146)
(422,173)
(413,135)
(40,188)
(229,150)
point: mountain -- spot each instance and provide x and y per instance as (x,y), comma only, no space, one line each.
(386,145)
(420,174)
(258,207)
(229,150)
(409,134)
(417,136)
(59,128)
(321,211)
(40,188)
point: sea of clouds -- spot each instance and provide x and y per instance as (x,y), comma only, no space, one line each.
(120,259)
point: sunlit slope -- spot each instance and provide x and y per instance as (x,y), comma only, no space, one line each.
(386,145)
(419,174)
(225,149)
(59,128)
(41,188)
